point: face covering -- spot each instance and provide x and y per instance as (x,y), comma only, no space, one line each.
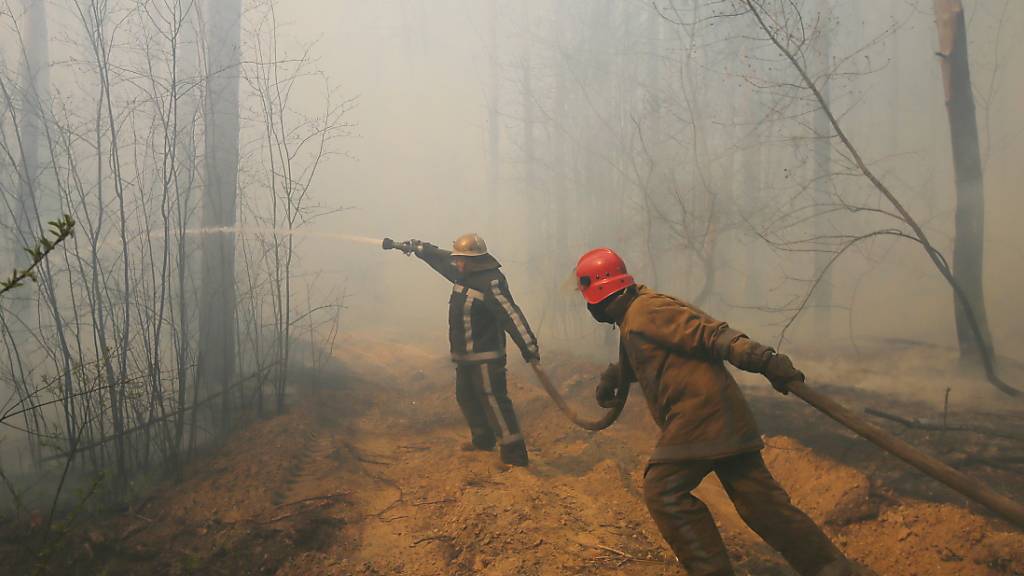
(600,312)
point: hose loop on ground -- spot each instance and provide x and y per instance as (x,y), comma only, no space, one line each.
(605,421)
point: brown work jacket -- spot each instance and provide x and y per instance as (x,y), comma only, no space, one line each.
(676,352)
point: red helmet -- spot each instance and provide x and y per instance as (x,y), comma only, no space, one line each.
(601,273)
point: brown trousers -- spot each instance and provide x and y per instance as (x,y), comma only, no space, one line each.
(687,525)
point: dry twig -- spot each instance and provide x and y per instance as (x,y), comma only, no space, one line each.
(930,426)
(443,537)
(624,555)
(430,502)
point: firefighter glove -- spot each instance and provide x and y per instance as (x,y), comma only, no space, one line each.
(780,371)
(609,389)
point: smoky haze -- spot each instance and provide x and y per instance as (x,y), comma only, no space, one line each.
(423,73)
(674,132)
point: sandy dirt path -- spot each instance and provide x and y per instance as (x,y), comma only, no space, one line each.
(364,476)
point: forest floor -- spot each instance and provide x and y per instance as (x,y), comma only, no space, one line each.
(364,476)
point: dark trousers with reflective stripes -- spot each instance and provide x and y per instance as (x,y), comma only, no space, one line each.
(687,525)
(482,393)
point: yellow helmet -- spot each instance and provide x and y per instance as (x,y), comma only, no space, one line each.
(469,245)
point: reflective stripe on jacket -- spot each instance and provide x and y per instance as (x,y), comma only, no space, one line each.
(481,311)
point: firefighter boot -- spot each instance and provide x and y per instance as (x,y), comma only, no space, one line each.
(514,453)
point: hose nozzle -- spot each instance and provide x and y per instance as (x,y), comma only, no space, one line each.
(406,247)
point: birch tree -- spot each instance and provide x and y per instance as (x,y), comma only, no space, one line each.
(217,299)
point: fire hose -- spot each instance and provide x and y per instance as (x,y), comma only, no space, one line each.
(1009,510)
(600,424)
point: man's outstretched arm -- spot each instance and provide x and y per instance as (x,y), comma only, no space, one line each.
(752,356)
(687,330)
(438,259)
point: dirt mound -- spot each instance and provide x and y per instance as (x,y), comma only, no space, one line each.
(364,477)
(241,512)
(920,538)
(893,537)
(827,491)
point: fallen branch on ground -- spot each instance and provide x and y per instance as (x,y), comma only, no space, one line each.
(444,537)
(329,497)
(1005,463)
(441,501)
(625,555)
(931,426)
(393,518)
(358,455)
(411,448)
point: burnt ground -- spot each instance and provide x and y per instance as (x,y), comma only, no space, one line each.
(364,476)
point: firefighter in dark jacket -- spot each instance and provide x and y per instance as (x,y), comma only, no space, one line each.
(677,353)
(481,311)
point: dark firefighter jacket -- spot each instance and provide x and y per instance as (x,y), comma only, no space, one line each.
(676,352)
(480,311)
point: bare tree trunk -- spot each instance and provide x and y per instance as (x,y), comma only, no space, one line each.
(493,119)
(895,83)
(968,246)
(536,211)
(28,135)
(653,105)
(185,181)
(35,83)
(94,18)
(725,250)
(595,196)
(753,179)
(217,298)
(559,252)
(917,233)
(822,169)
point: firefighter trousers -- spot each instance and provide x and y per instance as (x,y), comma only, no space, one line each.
(482,393)
(687,525)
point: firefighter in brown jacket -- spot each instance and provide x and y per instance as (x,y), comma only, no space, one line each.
(677,353)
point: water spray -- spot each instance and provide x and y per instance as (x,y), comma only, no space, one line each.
(250,231)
